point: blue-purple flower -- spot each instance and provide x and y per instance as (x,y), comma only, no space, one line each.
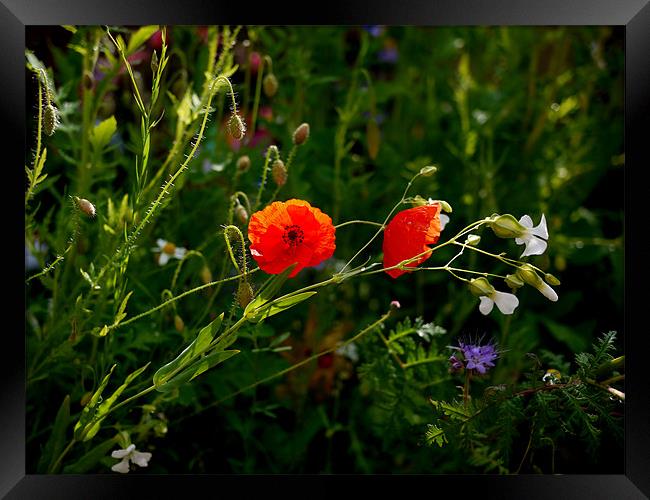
(476,357)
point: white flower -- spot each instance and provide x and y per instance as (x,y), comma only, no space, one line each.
(349,351)
(547,292)
(140,459)
(506,302)
(444,219)
(167,250)
(534,237)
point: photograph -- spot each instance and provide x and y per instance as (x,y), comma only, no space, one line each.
(352,249)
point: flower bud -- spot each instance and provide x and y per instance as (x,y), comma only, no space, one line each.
(551,280)
(506,226)
(206,275)
(481,287)
(241,214)
(50,119)
(394,304)
(428,171)
(244,294)
(279,172)
(243,163)
(179,324)
(236,126)
(528,275)
(301,134)
(473,240)
(514,281)
(270,84)
(85,206)
(446,207)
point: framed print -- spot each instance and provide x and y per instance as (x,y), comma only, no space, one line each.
(373,246)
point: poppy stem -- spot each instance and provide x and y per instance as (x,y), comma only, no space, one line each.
(360,222)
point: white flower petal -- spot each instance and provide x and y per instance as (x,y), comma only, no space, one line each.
(541,230)
(526,221)
(161,243)
(486,305)
(506,302)
(179,253)
(534,246)
(444,219)
(122,466)
(141,458)
(163,259)
(123,453)
(521,241)
(548,292)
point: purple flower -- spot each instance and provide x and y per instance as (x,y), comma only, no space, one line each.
(388,55)
(374,30)
(477,357)
(456,364)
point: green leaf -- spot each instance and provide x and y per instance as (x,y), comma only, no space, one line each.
(120,312)
(267,292)
(140,37)
(104,407)
(196,369)
(56,441)
(90,409)
(198,346)
(279,305)
(567,335)
(90,459)
(102,133)
(435,435)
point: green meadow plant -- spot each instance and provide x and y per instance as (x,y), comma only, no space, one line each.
(122,341)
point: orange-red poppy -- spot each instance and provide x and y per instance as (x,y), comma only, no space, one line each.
(408,234)
(288,232)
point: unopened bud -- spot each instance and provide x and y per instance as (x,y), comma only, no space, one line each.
(279,172)
(270,84)
(473,240)
(301,134)
(50,119)
(244,294)
(528,275)
(394,304)
(85,206)
(241,214)
(243,163)
(206,275)
(506,226)
(427,171)
(85,398)
(514,281)
(481,287)
(551,280)
(236,126)
(446,207)
(179,324)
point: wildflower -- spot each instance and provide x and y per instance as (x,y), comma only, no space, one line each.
(290,232)
(477,357)
(167,250)
(506,302)
(528,275)
(389,54)
(456,364)
(408,235)
(394,304)
(140,459)
(533,237)
(349,351)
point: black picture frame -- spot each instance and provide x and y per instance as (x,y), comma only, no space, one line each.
(634,15)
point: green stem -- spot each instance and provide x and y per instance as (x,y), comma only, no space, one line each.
(359,222)
(56,464)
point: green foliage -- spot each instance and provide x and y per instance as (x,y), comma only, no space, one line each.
(516,120)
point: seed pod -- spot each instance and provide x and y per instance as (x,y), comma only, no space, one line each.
(236,126)
(179,324)
(270,84)
(206,275)
(85,398)
(86,207)
(279,172)
(301,134)
(244,294)
(241,214)
(50,119)
(243,163)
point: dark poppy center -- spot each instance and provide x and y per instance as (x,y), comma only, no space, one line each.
(293,235)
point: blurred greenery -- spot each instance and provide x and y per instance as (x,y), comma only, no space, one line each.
(519,120)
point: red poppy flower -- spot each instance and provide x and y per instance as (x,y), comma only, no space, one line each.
(288,232)
(408,235)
